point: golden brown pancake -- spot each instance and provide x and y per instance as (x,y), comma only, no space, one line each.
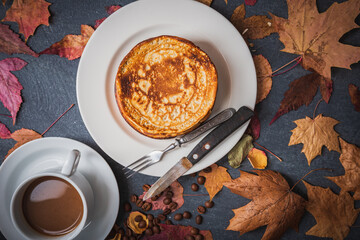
(166,86)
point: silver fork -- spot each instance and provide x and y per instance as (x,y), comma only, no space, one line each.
(156,156)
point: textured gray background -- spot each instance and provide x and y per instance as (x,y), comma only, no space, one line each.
(49,88)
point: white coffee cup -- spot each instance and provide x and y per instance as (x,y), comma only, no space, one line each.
(69,174)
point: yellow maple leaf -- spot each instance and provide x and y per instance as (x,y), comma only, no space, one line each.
(315,133)
(215,179)
(257,158)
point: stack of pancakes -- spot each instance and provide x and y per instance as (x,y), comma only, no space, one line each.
(166,86)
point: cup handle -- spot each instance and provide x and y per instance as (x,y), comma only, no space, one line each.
(71,163)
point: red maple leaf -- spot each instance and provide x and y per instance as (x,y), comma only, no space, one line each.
(4,132)
(10,88)
(110,10)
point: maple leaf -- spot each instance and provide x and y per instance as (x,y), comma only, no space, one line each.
(273,204)
(257,158)
(71,46)
(21,137)
(254,126)
(250,2)
(110,10)
(315,133)
(239,152)
(4,131)
(131,223)
(206,2)
(315,36)
(178,197)
(29,14)
(11,43)
(263,76)
(10,88)
(116,237)
(254,27)
(355,96)
(334,214)
(350,159)
(215,179)
(301,92)
(176,232)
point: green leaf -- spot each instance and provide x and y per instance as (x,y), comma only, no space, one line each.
(239,152)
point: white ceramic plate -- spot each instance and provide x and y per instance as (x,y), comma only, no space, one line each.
(49,153)
(141,20)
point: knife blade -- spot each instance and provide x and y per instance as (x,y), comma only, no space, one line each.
(207,144)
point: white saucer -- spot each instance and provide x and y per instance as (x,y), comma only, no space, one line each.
(48,153)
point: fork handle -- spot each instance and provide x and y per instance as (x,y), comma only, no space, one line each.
(219,118)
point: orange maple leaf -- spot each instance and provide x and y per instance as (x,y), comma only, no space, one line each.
(315,133)
(71,46)
(215,179)
(334,214)
(257,158)
(254,27)
(273,204)
(29,14)
(22,136)
(315,36)
(350,159)
(263,76)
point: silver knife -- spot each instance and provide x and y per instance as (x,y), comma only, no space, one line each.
(208,143)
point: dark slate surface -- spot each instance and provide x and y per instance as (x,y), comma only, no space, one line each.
(49,88)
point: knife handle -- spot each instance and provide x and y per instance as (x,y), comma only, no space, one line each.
(210,141)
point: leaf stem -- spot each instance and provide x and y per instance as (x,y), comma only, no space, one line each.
(316,107)
(268,151)
(318,169)
(287,64)
(5,115)
(57,119)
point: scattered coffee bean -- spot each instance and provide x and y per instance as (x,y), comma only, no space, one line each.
(138,218)
(167,201)
(150,224)
(167,211)
(127,207)
(154,198)
(201,209)
(194,231)
(156,221)
(207,170)
(142,224)
(148,232)
(187,215)
(146,206)
(168,222)
(122,231)
(146,187)
(134,198)
(178,216)
(125,238)
(194,187)
(150,217)
(156,229)
(167,189)
(201,180)
(139,203)
(199,237)
(162,217)
(173,205)
(209,204)
(128,232)
(132,238)
(198,219)
(169,194)
(189,237)
(160,194)
(193,174)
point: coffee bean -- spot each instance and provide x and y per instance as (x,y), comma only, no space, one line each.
(138,218)
(156,221)
(209,204)
(168,222)
(201,209)
(194,187)
(146,207)
(127,207)
(167,211)
(162,217)
(194,231)
(173,205)
(154,198)
(167,201)
(199,237)
(134,198)
(148,232)
(139,203)
(189,237)
(193,174)
(122,231)
(169,194)
(178,216)
(207,170)
(167,189)
(198,219)
(156,229)
(187,215)
(150,217)
(125,238)
(201,180)
(142,224)
(146,187)
(132,238)
(150,224)
(128,232)
(160,194)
